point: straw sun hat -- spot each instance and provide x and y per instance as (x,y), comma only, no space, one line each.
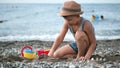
(70,8)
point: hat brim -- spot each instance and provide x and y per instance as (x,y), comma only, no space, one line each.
(69,13)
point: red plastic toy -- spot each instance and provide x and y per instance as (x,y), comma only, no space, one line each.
(28,52)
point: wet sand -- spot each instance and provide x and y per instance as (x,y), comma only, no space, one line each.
(107,54)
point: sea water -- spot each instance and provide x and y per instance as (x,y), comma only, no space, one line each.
(40,21)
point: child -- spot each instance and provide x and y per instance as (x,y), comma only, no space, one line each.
(82,30)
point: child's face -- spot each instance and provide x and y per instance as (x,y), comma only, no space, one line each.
(68,18)
(71,19)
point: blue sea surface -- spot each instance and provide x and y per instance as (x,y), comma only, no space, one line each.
(40,21)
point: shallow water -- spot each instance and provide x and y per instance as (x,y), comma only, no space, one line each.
(40,21)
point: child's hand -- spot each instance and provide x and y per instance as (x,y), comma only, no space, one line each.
(82,58)
(50,54)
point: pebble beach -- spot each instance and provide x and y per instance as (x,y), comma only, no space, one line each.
(106,55)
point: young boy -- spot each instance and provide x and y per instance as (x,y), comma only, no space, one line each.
(82,30)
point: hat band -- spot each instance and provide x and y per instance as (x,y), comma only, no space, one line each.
(71,9)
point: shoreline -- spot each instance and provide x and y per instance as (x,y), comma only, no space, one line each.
(107,52)
(109,40)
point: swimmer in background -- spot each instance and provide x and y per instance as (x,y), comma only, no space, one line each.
(102,17)
(93,18)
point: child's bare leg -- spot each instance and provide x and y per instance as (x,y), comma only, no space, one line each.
(82,42)
(64,52)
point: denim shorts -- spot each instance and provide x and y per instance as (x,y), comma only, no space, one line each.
(74,46)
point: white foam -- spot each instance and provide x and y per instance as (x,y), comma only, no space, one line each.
(48,37)
(107,37)
(44,37)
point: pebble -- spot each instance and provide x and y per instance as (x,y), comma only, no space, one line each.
(119,65)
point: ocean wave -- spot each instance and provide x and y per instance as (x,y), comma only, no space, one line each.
(68,37)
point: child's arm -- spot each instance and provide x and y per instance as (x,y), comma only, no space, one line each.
(59,39)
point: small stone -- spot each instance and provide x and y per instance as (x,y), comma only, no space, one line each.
(97,59)
(104,59)
(100,59)
(119,65)
(92,59)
